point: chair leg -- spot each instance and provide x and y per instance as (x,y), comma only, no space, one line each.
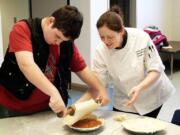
(176,118)
(171,64)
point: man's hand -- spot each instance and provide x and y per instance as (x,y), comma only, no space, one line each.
(56,103)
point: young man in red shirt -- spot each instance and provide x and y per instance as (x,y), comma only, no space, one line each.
(35,73)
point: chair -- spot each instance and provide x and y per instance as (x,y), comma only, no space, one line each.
(176,118)
(171,50)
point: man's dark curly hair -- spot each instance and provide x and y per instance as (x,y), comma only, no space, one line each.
(69,20)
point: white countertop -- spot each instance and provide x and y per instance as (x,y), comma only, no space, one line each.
(47,123)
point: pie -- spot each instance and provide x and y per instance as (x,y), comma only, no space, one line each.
(87,123)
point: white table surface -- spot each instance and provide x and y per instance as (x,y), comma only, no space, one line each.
(47,123)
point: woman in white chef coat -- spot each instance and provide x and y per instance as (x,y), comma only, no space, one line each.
(128,58)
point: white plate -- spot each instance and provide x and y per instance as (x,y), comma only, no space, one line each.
(89,129)
(144,125)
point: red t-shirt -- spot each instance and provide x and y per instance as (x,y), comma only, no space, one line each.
(20,41)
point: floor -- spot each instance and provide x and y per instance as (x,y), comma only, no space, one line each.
(168,108)
(173,103)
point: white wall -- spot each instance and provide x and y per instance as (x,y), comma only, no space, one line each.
(162,13)
(175,20)
(83,42)
(89,38)
(42,8)
(155,12)
(9,10)
(98,7)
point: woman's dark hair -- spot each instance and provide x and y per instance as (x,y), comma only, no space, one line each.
(69,20)
(112,19)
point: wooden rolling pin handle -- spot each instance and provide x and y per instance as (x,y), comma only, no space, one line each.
(70,111)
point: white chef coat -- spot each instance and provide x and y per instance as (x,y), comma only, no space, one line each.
(128,66)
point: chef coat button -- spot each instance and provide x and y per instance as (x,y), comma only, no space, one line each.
(10,73)
(27,84)
(38,54)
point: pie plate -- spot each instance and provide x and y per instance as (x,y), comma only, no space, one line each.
(91,128)
(144,125)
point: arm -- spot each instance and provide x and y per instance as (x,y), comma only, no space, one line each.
(86,96)
(151,78)
(153,66)
(97,90)
(35,76)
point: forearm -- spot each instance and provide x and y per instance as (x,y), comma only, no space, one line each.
(151,78)
(96,89)
(85,97)
(33,74)
(36,77)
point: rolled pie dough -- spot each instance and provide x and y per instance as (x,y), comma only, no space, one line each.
(81,110)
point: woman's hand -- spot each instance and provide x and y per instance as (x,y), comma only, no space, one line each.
(152,77)
(133,94)
(103,98)
(96,88)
